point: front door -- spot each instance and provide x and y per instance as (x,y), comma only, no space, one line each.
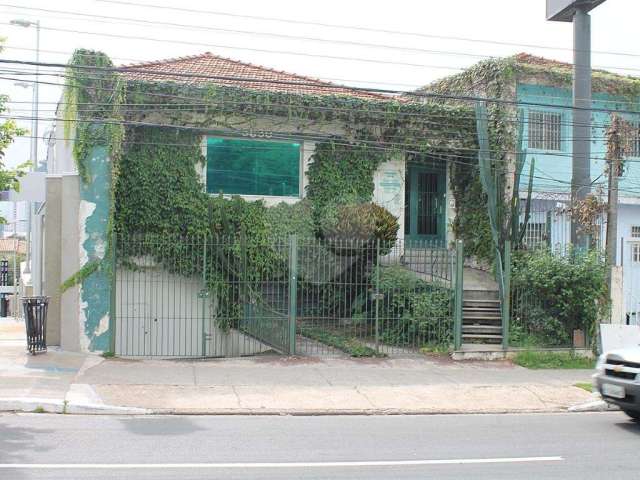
(425,196)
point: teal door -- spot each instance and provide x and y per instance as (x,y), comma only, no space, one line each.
(425,196)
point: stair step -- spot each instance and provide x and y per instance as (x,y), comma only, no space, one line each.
(488,329)
(480,295)
(481,338)
(481,316)
(480,310)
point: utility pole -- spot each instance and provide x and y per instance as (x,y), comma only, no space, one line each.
(34,128)
(577,12)
(615,153)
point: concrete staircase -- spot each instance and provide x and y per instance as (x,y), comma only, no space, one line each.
(481,319)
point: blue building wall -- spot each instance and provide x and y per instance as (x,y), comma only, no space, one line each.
(553,175)
(553,169)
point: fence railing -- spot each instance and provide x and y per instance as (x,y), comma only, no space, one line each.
(211,296)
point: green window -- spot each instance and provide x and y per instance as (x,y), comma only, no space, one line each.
(253,167)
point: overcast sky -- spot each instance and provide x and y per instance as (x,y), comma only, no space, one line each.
(401,61)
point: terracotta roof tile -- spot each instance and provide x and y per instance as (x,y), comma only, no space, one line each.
(9,245)
(210,65)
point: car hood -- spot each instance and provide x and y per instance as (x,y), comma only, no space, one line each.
(630,354)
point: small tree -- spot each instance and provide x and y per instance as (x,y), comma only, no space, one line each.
(8,131)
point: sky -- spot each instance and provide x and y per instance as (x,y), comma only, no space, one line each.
(399,45)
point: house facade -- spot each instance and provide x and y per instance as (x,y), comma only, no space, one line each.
(538,91)
(254,133)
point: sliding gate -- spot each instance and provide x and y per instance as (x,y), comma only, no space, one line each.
(197,297)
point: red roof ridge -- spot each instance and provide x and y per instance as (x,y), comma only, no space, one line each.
(233,60)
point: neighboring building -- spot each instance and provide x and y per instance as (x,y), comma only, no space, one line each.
(541,90)
(258,144)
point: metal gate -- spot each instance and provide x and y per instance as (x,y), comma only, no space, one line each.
(224,297)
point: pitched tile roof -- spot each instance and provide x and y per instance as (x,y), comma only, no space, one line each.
(10,245)
(198,70)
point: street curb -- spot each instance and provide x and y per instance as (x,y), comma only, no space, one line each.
(342,412)
(47,405)
(596,404)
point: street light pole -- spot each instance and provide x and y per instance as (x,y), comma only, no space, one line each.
(34,129)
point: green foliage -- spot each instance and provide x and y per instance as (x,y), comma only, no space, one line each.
(87,269)
(558,293)
(586,386)
(8,131)
(100,93)
(349,345)
(422,309)
(552,360)
(471,223)
(339,175)
(291,219)
(363,222)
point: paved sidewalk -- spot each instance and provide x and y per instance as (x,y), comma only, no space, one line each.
(75,383)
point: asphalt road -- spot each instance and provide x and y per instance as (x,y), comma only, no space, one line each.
(536,446)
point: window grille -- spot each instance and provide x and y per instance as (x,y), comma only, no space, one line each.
(635,231)
(545,130)
(634,141)
(535,235)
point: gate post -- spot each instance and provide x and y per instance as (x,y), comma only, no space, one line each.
(377,297)
(293,291)
(457,316)
(112,299)
(506,300)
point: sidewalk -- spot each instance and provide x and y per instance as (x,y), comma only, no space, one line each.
(75,383)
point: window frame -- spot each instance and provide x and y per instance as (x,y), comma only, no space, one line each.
(635,252)
(635,232)
(561,130)
(636,140)
(226,136)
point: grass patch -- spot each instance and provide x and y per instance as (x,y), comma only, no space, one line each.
(108,354)
(349,345)
(437,349)
(39,409)
(584,385)
(542,360)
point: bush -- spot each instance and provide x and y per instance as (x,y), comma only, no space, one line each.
(561,293)
(291,219)
(363,222)
(413,312)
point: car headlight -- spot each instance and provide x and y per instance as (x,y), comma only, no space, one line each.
(602,359)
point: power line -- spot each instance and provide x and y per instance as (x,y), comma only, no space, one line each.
(262,50)
(110,20)
(381,91)
(355,27)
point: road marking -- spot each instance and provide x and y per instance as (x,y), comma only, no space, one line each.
(382,463)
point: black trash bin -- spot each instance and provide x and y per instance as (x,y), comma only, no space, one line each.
(4,305)
(35,319)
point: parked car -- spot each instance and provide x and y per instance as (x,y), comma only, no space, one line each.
(617,378)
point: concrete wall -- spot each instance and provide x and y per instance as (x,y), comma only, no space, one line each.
(53,257)
(93,218)
(61,259)
(389,186)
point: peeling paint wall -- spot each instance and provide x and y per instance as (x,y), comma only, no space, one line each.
(95,291)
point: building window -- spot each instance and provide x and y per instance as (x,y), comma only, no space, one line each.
(253,167)
(635,253)
(545,130)
(635,231)
(634,140)
(535,235)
